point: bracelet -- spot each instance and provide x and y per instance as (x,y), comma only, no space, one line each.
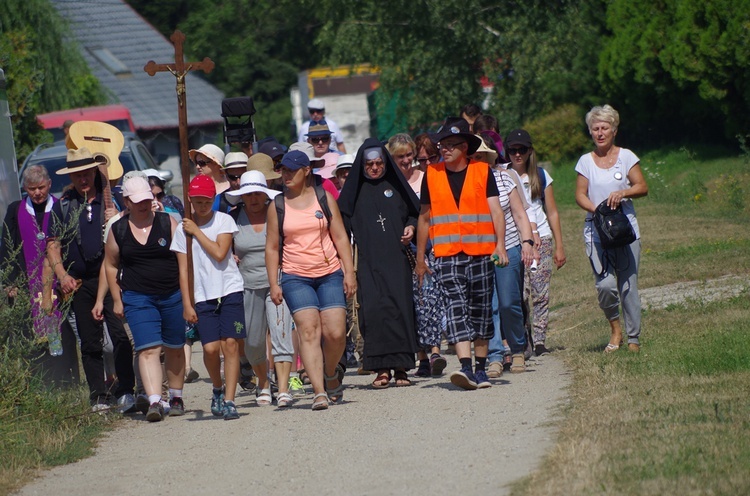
(534,232)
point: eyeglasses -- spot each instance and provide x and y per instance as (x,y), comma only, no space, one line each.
(232,177)
(374,163)
(449,147)
(320,139)
(521,150)
(202,163)
(427,160)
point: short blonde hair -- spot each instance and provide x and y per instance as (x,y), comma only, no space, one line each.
(401,143)
(603,113)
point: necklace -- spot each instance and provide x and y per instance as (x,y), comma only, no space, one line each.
(605,161)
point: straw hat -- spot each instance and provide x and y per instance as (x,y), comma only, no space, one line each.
(79,160)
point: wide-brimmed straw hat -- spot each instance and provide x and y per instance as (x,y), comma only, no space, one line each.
(263,163)
(251,182)
(79,160)
(490,154)
(212,152)
(235,160)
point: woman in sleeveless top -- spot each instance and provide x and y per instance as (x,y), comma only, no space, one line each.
(143,278)
(315,247)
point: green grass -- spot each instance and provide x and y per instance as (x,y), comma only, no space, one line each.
(675,418)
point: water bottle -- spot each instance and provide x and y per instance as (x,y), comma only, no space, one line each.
(428,282)
(55,342)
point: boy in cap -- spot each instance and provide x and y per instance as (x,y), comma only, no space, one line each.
(317,110)
(461,211)
(218,289)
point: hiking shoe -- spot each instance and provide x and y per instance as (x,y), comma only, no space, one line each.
(155,412)
(176,407)
(126,403)
(230,411)
(141,403)
(482,380)
(191,375)
(464,379)
(217,403)
(540,350)
(424,369)
(495,370)
(437,364)
(296,388)
(519,364)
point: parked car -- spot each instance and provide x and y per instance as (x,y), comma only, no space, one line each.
(117,115)
(134,156)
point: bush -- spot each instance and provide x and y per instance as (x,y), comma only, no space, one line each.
(559,134)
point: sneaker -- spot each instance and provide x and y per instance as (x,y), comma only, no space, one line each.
(437,364)
(296,388)
(507,361)
(100,407)
(176,407)
(519,364)
(495,370)
(141,403)
(230,411)
(482,380)
(424,369)
(540,350)
(464,379)
(217,403)
(191,375)
(351,362)
(126,403)
(155,412)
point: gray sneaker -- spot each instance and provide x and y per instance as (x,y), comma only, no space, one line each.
(155,412)
(176,407)
(230,411)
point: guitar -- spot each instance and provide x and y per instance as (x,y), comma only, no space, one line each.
(102,140)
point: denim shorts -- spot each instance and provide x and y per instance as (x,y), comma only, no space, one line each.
(320,293)
(155,320)
(221,318)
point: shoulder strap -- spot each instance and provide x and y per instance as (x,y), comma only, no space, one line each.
(320,193)
(279,204)
(543,181)
(235,214)
(119,228)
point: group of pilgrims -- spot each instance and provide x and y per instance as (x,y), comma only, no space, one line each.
(305,261)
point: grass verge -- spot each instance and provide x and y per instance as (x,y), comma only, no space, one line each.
(674,419)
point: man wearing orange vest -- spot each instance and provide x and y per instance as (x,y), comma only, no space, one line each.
(461,212)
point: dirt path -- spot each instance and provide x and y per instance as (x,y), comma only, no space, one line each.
(430,438)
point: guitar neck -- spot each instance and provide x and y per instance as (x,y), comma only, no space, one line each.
(106,190)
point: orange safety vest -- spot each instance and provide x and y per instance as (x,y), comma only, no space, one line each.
(467,228)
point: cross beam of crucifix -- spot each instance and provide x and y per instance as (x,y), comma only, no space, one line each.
(179,70)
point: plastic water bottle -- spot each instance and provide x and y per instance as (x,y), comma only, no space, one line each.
(55,342)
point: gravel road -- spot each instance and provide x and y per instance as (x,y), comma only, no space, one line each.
(430,438)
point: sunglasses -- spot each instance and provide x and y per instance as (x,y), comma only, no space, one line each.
(320,139)
(427,160)
(449,147)
(232,177)
(521,150)
(202,163)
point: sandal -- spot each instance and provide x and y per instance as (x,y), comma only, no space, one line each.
(634,347)
(302,374)
(382,380)
(320,404)
(335,395)
(401,378)
(264,398)
(284,399)
(611,348)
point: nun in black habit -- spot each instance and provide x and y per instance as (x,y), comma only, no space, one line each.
(380,209)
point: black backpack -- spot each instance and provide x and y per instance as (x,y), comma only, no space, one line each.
(613,226)
(320,194)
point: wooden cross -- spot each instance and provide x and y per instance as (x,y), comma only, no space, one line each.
(179,70)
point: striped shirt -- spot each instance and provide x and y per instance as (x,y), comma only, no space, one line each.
(504,187)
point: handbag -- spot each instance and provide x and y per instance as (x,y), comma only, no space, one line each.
(613,226)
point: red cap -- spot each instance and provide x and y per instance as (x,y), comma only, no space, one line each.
(202,186)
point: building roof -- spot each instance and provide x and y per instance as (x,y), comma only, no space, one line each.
(117,42)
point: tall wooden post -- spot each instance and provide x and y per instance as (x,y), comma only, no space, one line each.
(179,69)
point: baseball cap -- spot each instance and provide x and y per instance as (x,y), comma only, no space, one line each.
(137,189)
(202,186)
(518,137)
(295,160)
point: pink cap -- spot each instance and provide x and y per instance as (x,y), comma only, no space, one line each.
(137,189)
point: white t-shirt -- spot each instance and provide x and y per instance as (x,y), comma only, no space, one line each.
(212,279)
(336,136)
(538,215)
(604,181)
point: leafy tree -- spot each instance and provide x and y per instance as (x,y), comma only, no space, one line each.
(44,69)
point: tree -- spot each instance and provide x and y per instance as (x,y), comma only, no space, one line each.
(44,70)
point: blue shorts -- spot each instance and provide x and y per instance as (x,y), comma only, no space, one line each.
(155,320)
(320,293)
(221,318)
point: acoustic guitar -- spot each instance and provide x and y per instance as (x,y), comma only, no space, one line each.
(102,140)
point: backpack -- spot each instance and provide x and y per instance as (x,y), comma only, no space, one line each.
(119,229)
(543,181)
(320,194)
(613,226)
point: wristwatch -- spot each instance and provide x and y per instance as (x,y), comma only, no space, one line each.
(529,241)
